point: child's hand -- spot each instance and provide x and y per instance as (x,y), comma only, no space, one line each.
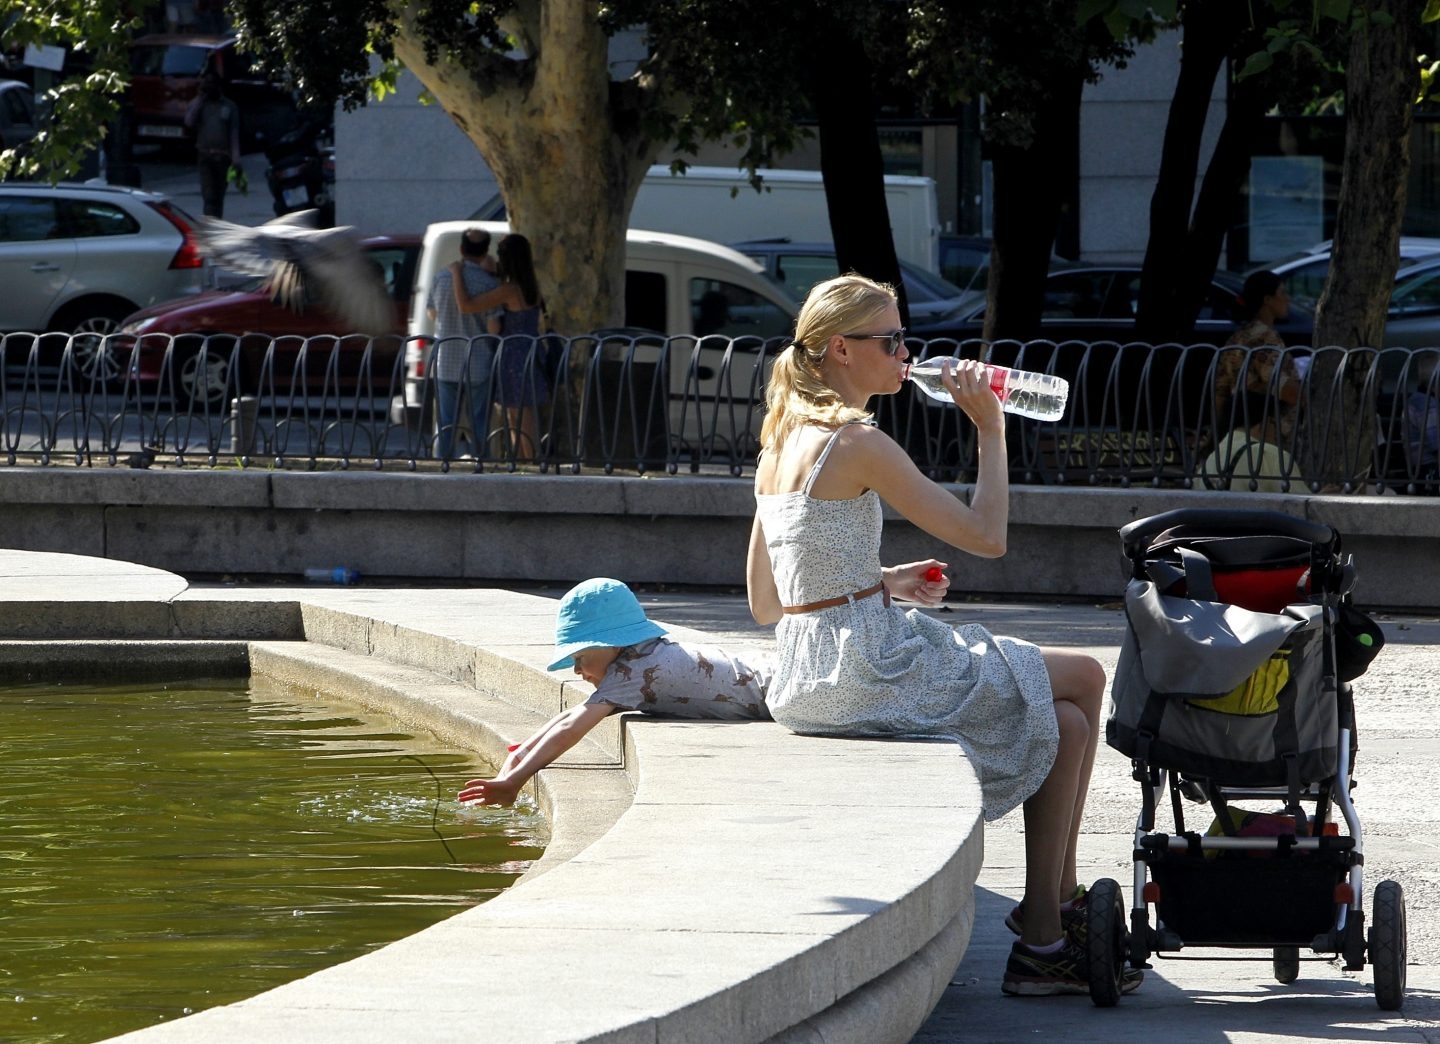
(489,792)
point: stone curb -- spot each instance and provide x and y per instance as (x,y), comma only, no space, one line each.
(756,885)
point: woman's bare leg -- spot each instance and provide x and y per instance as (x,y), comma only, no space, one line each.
(1049,813)
(1078,679)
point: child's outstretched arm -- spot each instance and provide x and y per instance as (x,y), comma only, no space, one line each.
(554,738)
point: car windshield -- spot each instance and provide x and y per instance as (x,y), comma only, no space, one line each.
(169,60)
(1416,291)
(926,286)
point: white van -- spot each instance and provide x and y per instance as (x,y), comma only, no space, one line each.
(674,285)
(719,203)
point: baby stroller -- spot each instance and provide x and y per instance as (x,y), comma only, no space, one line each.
(1233,685)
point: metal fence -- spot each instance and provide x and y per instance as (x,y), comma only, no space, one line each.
(1138,414)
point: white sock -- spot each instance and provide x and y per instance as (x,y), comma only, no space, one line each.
(1048,947)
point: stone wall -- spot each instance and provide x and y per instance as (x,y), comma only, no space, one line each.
(646,529)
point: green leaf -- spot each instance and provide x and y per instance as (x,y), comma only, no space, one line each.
(1431,12)
(1089,9)
(1338,10)
(1257,63)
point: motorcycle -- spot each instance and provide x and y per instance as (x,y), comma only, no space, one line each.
(297,171)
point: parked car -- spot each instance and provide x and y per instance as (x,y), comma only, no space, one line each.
(17,114)
(1098,303)
(77,259)
(799,266)
(1305,273)
(965,260)
(206,327)
(165,70)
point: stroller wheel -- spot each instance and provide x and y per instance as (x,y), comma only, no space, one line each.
(1287,964)
(1387,946)
(1105,941)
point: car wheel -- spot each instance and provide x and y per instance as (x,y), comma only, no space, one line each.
(96,358)
(202,377)
(89,324)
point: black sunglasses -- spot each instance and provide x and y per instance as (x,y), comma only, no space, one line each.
(895,339)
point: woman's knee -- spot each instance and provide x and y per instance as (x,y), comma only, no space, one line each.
(1074,725)
(1077,678)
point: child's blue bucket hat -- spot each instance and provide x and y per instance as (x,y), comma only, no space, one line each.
(596,613)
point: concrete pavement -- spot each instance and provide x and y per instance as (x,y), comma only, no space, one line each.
(1205,1000)
(1184,998)
(178,179)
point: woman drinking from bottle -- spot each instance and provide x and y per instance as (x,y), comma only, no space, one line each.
(852,664)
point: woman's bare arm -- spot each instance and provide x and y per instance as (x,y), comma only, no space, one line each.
(760,579)
(870,459)
(486,302)
(978,527)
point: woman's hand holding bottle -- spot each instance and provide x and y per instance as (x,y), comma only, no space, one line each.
(968,382)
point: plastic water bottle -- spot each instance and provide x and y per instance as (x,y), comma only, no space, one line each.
(342,575)
(1040,396)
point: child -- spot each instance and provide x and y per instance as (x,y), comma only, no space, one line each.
(602,632)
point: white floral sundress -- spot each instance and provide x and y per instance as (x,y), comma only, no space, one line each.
(870,669)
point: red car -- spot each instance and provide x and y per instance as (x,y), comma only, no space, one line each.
(211,346)
(165,72)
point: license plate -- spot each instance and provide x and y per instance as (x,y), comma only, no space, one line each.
(149,130)
(295,197)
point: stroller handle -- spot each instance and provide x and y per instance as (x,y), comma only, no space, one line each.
(1136,535)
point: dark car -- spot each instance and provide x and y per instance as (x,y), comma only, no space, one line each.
(965,260)
(165,71)
(799,266)
(17,114)
(205,328)
(1098,303)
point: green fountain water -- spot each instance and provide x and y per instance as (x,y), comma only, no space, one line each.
(166,850)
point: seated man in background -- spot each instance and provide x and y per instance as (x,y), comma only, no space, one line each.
(1422,428)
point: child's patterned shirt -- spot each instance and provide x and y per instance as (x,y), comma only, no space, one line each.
(663,676)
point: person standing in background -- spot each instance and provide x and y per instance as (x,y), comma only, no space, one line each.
(215,119)
(519,321)
(463,355)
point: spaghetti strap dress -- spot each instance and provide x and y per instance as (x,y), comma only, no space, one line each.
(523,381)
(866,668)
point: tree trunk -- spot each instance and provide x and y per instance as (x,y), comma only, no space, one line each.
(1381,82)
(1028,182)
(566,147)
(1214,209)
(1210,30)
(851,162)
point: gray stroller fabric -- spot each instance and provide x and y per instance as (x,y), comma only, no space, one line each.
(1190,647)
(1212,690)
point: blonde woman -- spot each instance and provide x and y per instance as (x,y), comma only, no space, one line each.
(851,663)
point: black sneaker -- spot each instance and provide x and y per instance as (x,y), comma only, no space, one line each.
(1031,974)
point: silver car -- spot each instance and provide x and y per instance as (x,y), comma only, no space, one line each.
(80,258)
(1305,273)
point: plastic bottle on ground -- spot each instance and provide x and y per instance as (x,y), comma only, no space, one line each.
(332,575)
(1039,396)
